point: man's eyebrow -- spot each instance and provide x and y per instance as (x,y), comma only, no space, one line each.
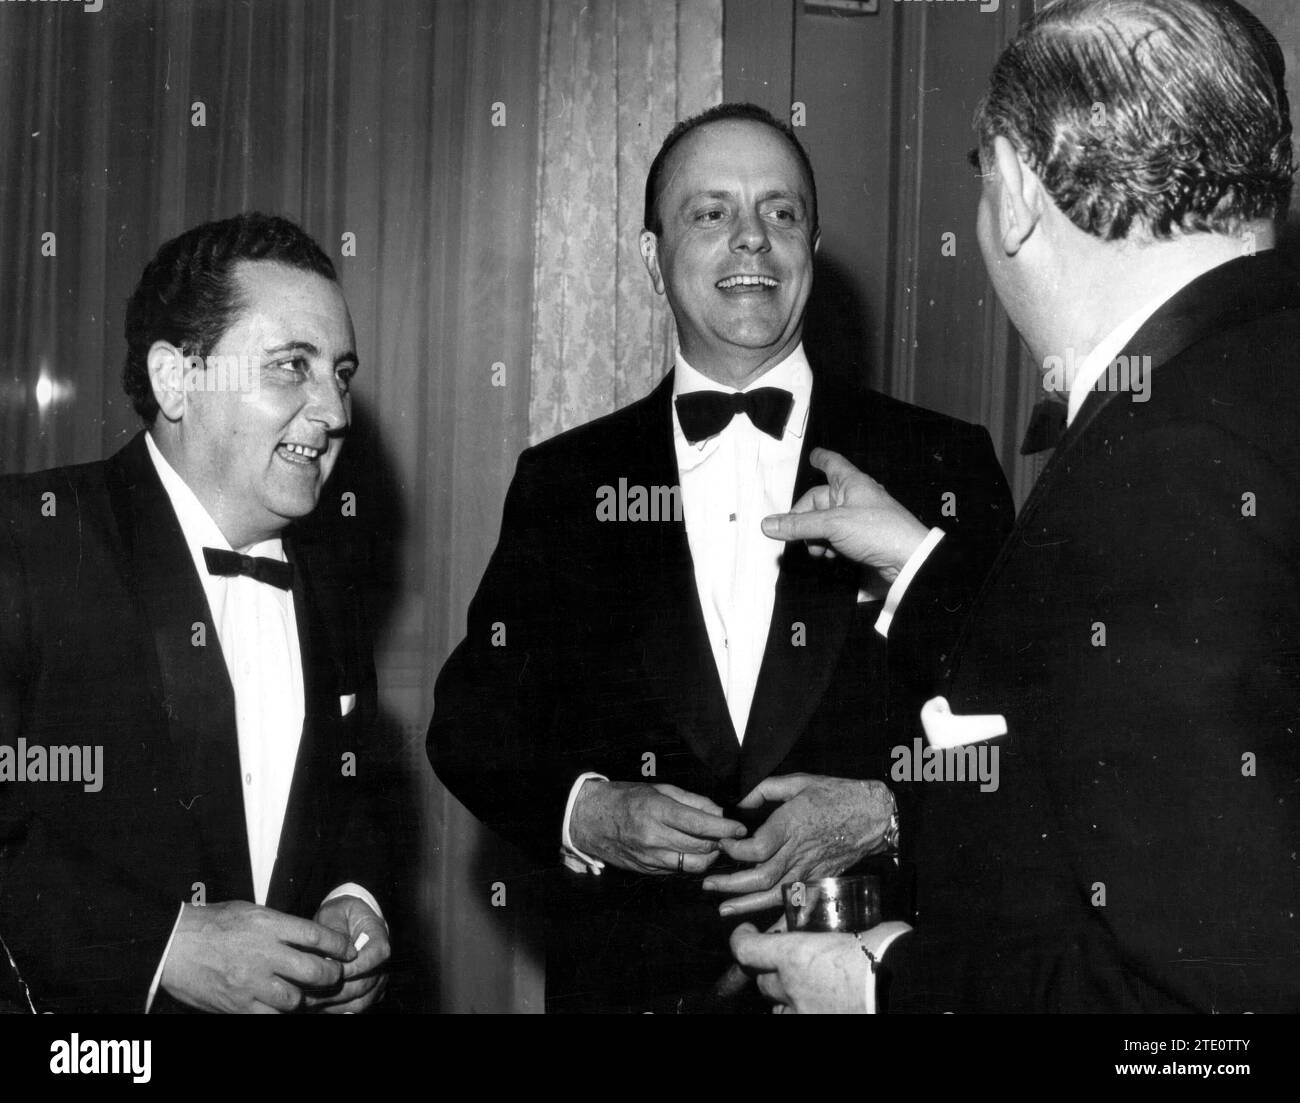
(716,193)
(312,350)
(713,193)
(295,346)
(783,193)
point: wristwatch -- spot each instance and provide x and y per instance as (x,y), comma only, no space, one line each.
(889,839)
(891,835)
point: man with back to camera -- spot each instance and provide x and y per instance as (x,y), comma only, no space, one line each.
(1134,657)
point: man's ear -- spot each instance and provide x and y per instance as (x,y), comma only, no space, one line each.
(1020,197)
(650,255)
(166,364)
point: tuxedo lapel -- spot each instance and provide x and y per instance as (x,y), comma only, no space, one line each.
(192,682)
(676,656)
(814,606)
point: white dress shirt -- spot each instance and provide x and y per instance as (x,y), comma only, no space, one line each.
(257,632)
(729,483)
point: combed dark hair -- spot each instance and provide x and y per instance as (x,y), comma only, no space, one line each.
(750,112)
(187,294)
(1150,116)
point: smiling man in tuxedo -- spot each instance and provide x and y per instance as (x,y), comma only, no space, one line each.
(1134,657)
(157,604)
(666,711)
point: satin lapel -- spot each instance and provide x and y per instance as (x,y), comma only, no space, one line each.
(308,810)
(815,602)
(676,658)
(193,681)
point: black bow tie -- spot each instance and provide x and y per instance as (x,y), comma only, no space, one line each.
(257,567)
(1046,427)
(705,414)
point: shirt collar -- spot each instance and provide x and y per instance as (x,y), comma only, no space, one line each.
(197,526)
(792,374)
(1098,361)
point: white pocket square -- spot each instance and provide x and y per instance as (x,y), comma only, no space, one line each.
(945,728)
(347,703)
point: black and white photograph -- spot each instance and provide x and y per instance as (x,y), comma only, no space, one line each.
(675,507)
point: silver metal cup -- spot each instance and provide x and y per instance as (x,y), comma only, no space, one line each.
(832,904)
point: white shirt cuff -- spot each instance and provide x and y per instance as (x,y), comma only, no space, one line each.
(351,888)
(885,936)
(574,858)
(157,977)
(895,596)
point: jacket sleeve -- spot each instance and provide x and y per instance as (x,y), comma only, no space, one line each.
(970,501)
(491,740)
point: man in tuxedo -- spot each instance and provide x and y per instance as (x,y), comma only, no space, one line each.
(667,712)
(1133,660)
(159,620)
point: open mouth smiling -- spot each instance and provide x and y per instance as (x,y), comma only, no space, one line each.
(745,283)
(299,453)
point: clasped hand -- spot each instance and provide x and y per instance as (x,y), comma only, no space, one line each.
(237,957)
(649,828)
(823,826)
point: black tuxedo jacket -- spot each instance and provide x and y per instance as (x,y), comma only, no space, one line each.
(1139,853)
(587,650)
(100,613)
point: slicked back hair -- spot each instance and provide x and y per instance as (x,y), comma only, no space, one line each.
(187,294)
(745,112)
(1147,117)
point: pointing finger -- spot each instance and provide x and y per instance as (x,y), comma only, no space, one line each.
(820,524)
